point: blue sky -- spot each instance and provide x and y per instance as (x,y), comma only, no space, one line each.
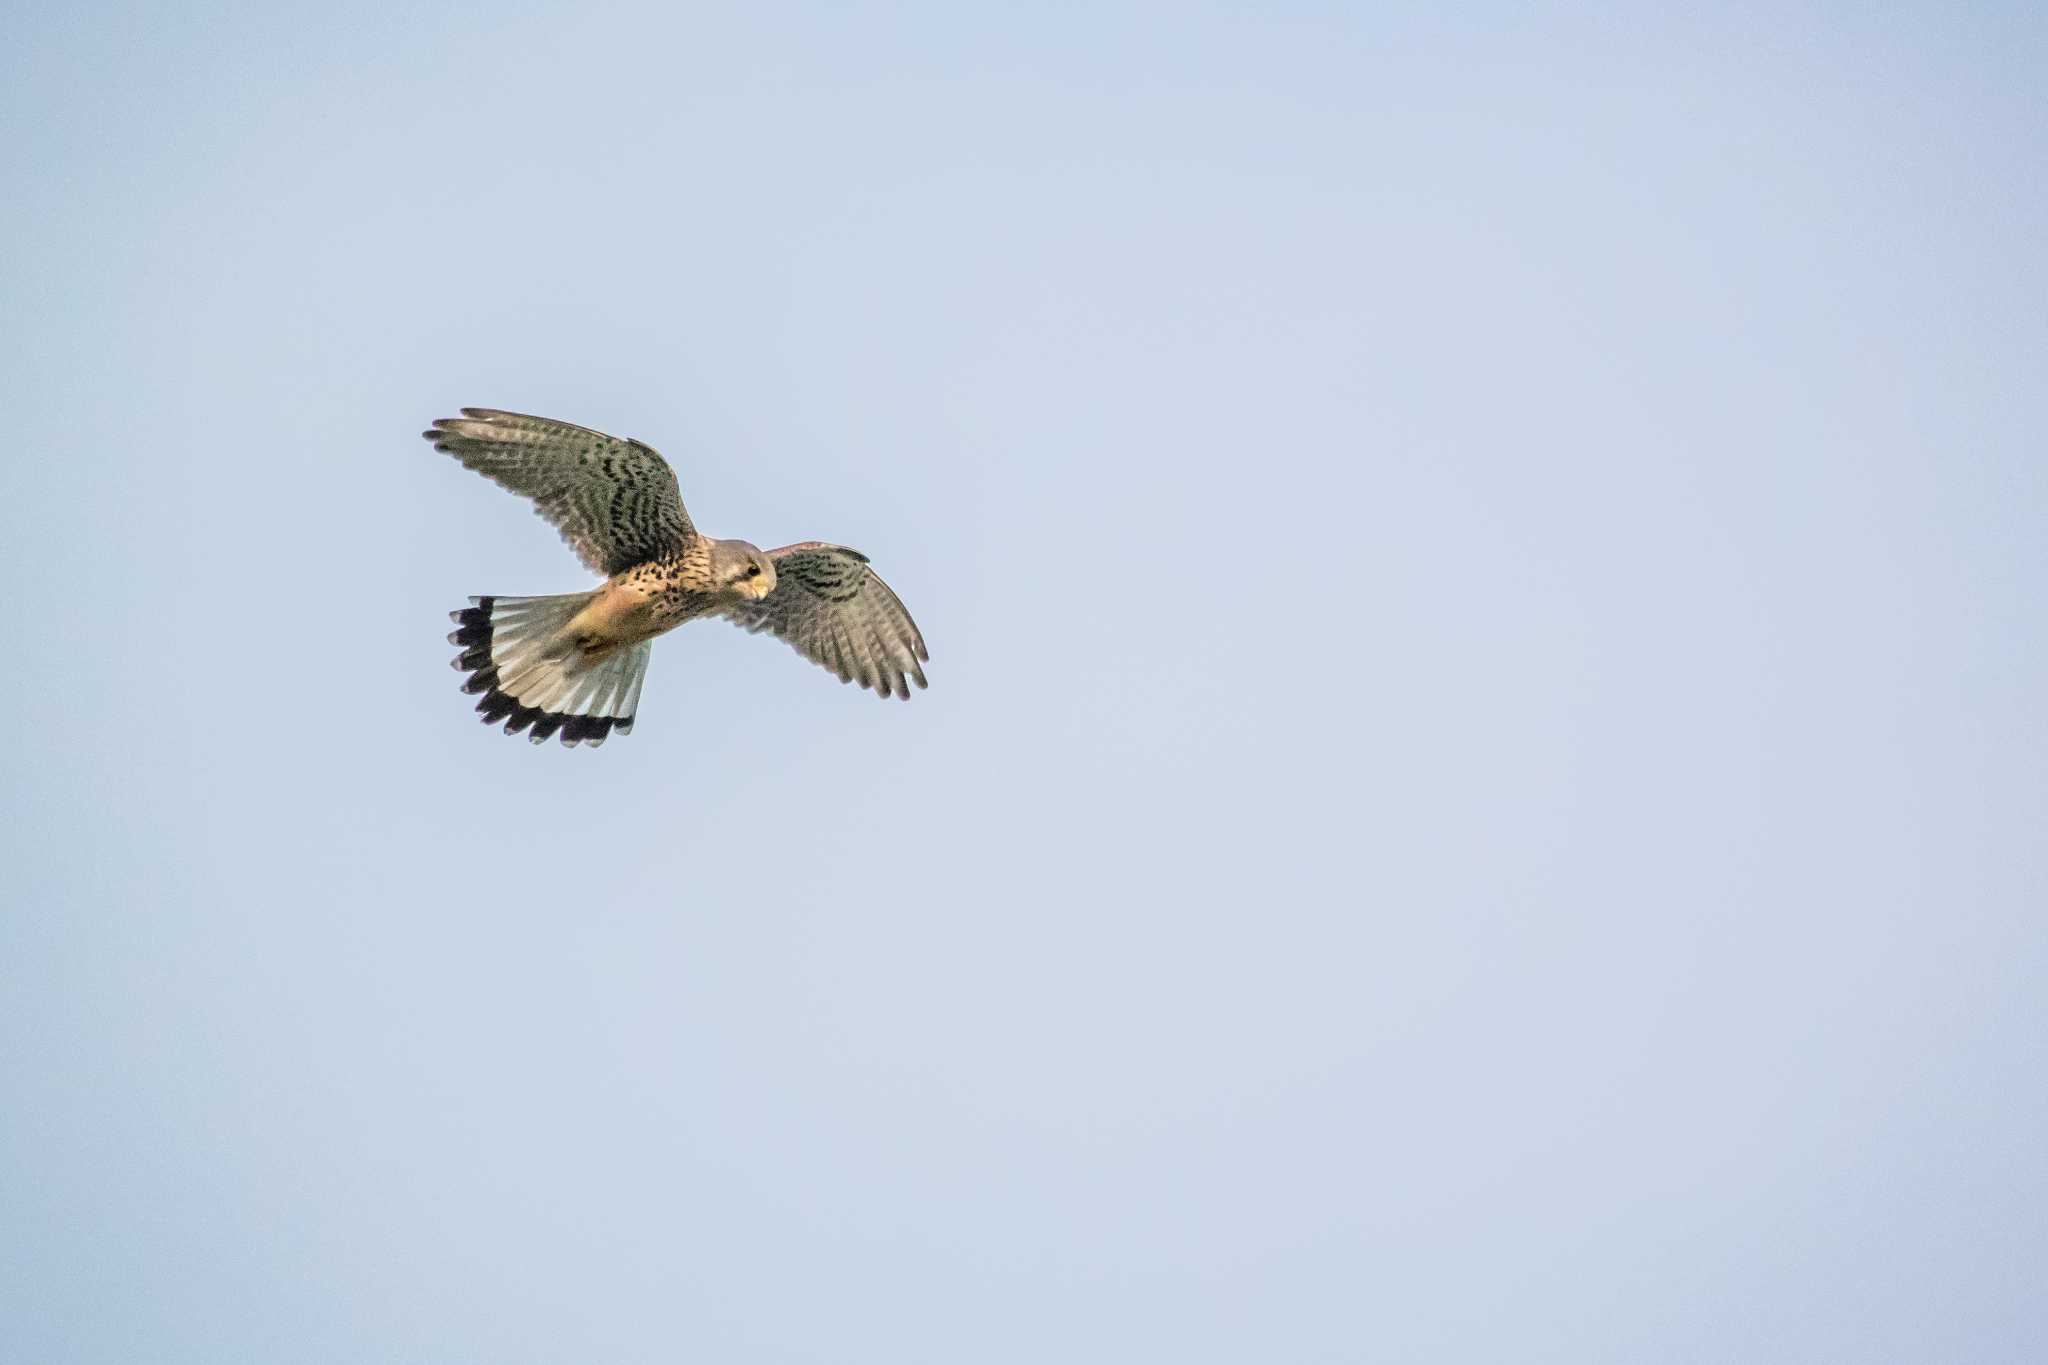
(1482,786)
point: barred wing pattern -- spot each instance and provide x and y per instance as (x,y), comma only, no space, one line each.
(838,613)
(615,501)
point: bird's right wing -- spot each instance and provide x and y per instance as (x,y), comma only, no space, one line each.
(615,501)
(839,614)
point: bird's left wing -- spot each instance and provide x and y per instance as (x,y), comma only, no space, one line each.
(614,500)
(838,613)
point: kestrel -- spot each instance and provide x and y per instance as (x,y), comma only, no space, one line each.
(574,663)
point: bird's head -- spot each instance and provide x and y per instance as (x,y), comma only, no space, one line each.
(740,569)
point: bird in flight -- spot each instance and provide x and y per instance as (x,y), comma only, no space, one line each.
(573,664)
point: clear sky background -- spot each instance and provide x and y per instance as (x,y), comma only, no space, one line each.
(1482,796)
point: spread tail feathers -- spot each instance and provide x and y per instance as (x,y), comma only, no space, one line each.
(519,655)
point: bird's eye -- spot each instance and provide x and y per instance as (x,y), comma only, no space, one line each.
(753,570)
